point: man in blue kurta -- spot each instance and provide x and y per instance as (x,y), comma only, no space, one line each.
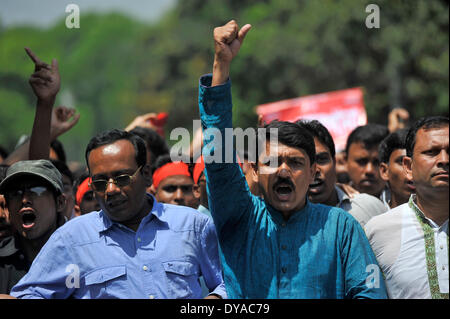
(279,245)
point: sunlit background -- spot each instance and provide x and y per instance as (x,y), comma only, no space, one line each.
(134,57)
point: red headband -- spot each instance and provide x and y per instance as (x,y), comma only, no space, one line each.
(198,169)
(170,169)
(82,189)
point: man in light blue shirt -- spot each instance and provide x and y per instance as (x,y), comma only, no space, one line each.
(134,247)
(280,245)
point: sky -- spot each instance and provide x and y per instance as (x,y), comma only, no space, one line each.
(43,13)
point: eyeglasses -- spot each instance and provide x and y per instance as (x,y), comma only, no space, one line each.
(100,185)
(34,192)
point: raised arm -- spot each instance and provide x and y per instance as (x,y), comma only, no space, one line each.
(45,82)
(49,122)
(228,194)
(227,42)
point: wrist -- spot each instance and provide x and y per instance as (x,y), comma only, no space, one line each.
(221,72)
(46,102)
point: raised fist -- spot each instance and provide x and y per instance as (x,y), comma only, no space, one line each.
(228,40)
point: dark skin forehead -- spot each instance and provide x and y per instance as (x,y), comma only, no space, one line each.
(121,154)
(359,150)
(176,180)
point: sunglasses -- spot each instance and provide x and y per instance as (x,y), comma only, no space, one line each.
(34,192)
(100,185)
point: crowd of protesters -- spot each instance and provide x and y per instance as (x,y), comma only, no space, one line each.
(368,222)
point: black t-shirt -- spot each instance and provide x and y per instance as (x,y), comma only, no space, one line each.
(13,264)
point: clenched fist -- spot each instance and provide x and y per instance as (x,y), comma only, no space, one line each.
(227,42)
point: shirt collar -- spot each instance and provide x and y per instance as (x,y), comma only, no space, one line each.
(385,196)
(203,209)
(342,196)
(412,204)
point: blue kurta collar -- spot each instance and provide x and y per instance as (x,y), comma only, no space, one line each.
(295,217)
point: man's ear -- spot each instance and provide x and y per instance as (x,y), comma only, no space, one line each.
(60,206)
(196,191)
(384,171)
(76,210)
(407,167)
(147,174)
(151,189)
(4,213)
(255,173)
(313,172)
(61,201)
(345,161)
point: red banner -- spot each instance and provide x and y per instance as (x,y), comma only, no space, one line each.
(339,111)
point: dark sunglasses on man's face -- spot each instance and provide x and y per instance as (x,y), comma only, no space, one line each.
(34,192)
(100,185)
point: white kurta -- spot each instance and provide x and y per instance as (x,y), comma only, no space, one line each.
(413,267)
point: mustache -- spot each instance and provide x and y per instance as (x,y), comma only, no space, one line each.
(282,180)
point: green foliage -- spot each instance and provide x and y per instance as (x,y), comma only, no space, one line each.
(117,68)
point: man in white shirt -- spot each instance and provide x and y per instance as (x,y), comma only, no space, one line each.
(411,240)
(391,153)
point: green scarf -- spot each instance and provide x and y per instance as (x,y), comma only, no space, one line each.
(429,252)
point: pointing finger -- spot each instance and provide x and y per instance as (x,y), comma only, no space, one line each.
(33,56)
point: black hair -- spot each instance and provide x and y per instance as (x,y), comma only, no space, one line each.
(114,135)
(292,135)
(58,147)
(3,152)
(161,161)
(320,132)
(369,135)
(77,172)
(80,179)
(155,143)
(429,122)
(394,141)
(63,169)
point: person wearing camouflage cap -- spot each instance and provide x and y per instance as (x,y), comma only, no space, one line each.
(33,192)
